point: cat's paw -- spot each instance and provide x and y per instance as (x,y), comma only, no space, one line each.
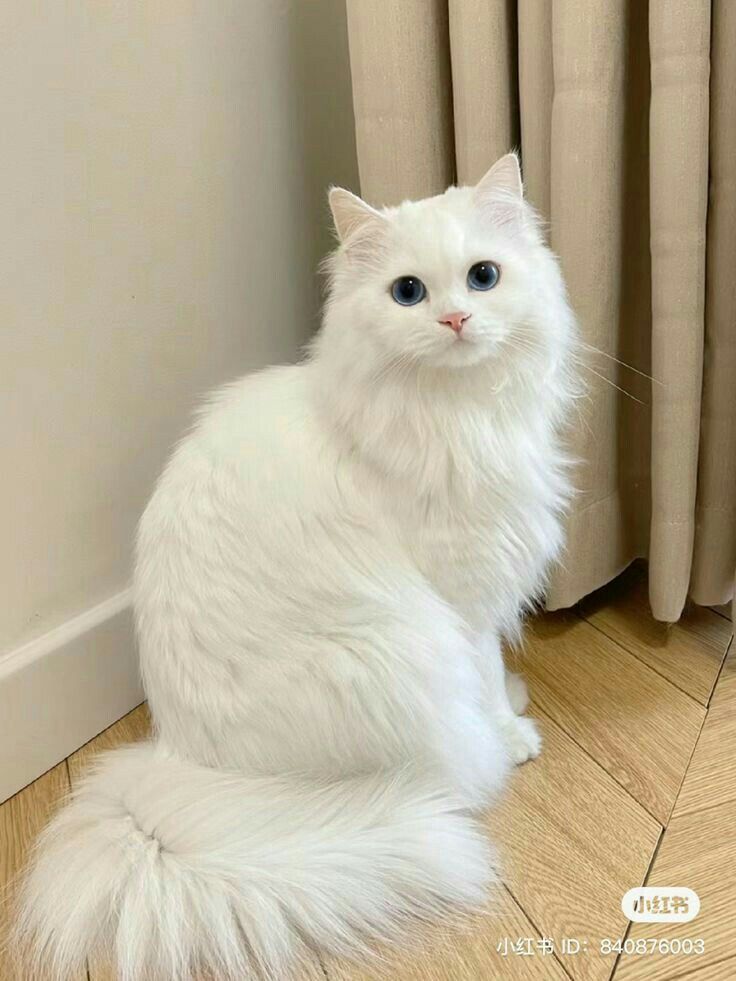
(517,692)
(521,739)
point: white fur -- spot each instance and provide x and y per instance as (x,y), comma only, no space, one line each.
(325,575)
(200,864)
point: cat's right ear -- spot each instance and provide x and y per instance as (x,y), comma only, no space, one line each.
(351,214)
(500,193)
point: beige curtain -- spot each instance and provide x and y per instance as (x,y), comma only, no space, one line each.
(625,115)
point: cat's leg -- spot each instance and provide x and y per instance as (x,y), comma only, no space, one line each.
(445,693)
(470,747)
(517,692)
(393,684)
(520,735)
(422,696)
(426,702)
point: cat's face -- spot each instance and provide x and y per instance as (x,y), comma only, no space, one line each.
(450,281)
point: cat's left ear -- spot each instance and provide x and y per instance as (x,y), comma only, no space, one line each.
(504,176)
(500,192)
(351,214)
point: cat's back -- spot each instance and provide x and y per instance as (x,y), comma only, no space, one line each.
(264,414)
(255,447)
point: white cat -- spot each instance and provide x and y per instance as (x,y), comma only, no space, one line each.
(325,574)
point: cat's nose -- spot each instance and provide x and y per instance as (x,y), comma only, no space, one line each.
(454,320)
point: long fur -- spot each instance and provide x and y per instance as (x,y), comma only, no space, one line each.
(180,865)
(325,574)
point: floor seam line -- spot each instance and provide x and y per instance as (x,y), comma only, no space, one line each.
(697,810)
(590,756)
(720,673)
(648,872)
(539,932)
(724,616)
(649,667)
(687,768)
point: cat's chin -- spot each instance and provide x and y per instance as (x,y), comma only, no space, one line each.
(463,354)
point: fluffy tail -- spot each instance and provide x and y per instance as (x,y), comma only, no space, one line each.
(175,868)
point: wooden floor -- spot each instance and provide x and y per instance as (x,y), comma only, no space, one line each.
(636,784)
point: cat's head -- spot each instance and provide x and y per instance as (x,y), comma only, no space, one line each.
(452,281)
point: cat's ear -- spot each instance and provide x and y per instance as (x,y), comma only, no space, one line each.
(504,176)
(500,192)
(351,214)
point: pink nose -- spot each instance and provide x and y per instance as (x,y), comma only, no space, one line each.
(454,320)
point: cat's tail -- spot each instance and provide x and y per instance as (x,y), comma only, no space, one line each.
(173,868)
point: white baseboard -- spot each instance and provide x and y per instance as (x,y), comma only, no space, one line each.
(61,689)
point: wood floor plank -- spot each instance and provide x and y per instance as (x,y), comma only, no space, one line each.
(725,690)
(21,819)
(721,971)
(467,953)
(630,719)
(711,776)
(698,851)
(724,610)
(572,842)
(688,653)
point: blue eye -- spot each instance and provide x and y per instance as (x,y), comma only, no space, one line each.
(408,290)
(483,275)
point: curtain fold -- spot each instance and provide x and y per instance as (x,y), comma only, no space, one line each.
(624,112)
(586,216)
(715,513)
(679,46)
(403,118)
(536,92)
(484,83)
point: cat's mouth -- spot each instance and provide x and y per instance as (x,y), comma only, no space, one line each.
(468,350)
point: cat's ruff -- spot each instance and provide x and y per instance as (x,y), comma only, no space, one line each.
(325,574)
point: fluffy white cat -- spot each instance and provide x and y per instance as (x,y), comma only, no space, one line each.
(325,575)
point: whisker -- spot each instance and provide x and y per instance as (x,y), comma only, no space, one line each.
(624,364)
(612,384)
(528,332)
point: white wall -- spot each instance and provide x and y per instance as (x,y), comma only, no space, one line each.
(163,169)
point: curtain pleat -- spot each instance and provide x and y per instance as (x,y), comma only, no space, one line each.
(485,91)
(714,560)
(679,45)
(618,118)
(536,91)
(588,47)
(402,97)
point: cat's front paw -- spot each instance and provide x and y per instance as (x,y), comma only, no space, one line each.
(521,739)
(517,692)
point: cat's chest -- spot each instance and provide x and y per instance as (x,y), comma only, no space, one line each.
(486,545)
(461,529)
